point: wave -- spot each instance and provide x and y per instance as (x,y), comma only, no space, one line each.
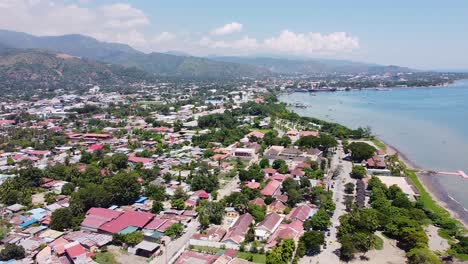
(453,199)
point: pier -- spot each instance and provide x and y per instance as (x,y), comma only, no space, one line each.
(457,173)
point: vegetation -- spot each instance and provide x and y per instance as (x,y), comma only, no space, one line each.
(12,251)
(360,151)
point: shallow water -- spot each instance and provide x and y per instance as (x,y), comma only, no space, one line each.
(428,125)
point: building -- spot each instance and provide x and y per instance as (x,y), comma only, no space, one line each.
(238,230)
(265,228)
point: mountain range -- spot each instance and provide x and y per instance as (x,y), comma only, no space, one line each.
(179,64)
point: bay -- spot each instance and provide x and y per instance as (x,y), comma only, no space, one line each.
(428,125)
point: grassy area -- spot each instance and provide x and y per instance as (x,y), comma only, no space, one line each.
(430,204)
(377,243)
(257,258)
(264,131)
(210,250)
(379,144)
(105,258)
(424,196)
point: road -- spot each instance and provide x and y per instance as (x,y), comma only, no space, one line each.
(329,255)
(174,246)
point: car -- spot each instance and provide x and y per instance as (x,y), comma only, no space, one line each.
(328,233)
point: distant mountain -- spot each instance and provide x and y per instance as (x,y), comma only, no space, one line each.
(290,66)
(156,63)
(31,70)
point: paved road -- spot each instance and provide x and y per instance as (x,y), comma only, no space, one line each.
(329,255)
(174,246)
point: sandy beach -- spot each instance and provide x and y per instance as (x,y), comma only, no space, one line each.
(432,186)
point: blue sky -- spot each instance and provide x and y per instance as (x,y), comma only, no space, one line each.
(421,34)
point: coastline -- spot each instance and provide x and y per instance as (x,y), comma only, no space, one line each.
(431,186)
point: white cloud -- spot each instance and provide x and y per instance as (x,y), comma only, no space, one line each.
(227,29)
(287,42)
(113,23)
(164,37)
(311,43)
(124,23)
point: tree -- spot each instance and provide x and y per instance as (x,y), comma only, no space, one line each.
(178,204)
(123,187)
(12,251)
(157,193)
(358,172)
(157,207)
(258,212)
(179,193)
(264,163)
(310,243)
(347,249)
(320,220)
(294,197)
(401,200)
(349,188)
(362,241)
(68,188)
(210,212)
(360,151)
(174,231)
(119,160)
(422,256)
(277,164)
(281,254)
(61,219)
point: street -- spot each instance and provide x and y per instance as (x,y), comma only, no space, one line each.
(329,255)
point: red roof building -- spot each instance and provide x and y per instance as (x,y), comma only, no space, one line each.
(300,213)
(128,218)
(272,188)
(236,233)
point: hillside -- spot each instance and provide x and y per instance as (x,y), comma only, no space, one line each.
(161,64)
(290,66)
(26,70)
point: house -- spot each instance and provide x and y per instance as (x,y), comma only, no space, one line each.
(258,201)
(214,233)
(244,153)
(255,134)
(265,228)
(376,162)
(309,133)
(252,184)
(292,230)
(128,218)
(272,188)
(238,230)
(96,217)
(276,207)
(301,213)
(269,172)
(145,249)
(231,213)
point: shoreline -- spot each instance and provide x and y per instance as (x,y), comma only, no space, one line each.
(435,190)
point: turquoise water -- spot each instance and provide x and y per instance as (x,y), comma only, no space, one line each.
(428,125)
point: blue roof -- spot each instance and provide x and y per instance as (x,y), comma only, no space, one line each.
(37,213)
(141,199)
(128,230)
(28,223)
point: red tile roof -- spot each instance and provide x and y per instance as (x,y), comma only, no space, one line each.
(128,218)
(300,213)
(136,159)
(271,188)
(239,229)
(270,223)
(75,251)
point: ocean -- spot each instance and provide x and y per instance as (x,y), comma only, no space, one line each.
(428,125)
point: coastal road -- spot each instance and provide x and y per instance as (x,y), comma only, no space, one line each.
(329,255)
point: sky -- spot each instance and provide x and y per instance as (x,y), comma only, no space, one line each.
(422,34)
